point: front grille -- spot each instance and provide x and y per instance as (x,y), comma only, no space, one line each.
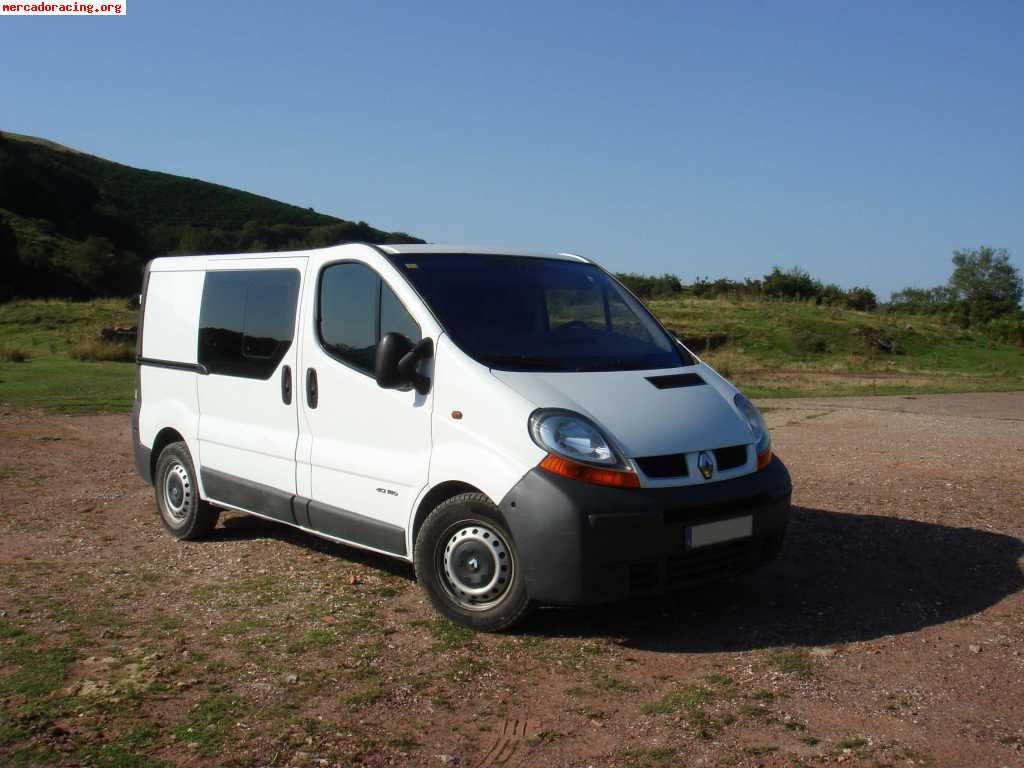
(669,465)
(731,457)
(674,464)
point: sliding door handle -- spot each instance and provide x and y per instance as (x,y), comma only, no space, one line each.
(286,385)
(312,393)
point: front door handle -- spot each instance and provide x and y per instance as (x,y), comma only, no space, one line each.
(286,385)
(312,394)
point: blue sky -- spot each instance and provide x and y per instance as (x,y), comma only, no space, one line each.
(862,141)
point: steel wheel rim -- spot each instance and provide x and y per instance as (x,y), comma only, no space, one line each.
(475,565)
(177,492)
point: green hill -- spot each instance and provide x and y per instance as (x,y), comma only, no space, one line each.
(76,225)
(52,356)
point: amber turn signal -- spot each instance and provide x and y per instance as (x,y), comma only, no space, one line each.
(764,459)
(588,474)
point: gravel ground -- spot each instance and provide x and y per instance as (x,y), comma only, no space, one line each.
(890,632)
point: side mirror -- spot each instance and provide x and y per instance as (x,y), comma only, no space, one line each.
(397,360)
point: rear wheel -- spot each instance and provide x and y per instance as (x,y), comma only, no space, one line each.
(183,513)
(467,564)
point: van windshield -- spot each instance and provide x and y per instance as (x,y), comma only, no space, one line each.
(522,313)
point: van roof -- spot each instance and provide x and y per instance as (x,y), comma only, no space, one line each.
(412,248)
(186,263)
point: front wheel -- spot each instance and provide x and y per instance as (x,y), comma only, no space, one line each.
(468,565)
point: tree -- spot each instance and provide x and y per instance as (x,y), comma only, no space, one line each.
(10,264)
(985,284)
(98,270)
(923,301)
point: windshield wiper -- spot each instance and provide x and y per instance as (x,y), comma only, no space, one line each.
(525,361)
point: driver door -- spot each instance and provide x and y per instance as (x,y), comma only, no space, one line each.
(364,451)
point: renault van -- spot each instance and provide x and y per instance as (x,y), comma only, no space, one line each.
(518,426)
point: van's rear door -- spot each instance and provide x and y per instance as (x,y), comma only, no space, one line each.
(248,424)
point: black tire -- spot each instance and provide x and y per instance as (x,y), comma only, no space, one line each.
(183,513)
(466,538)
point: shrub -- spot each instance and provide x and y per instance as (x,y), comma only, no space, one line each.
(862,299)
(704,288)
(923,301)
(1009,328)
(793,284)
(831,295)
(98,351)
(14,355)
(650,286)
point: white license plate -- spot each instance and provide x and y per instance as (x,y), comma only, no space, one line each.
(717,532)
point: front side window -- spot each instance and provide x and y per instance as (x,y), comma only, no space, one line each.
(524,313)
(247,321)
(356,308)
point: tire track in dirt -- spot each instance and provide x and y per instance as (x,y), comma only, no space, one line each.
(504,750)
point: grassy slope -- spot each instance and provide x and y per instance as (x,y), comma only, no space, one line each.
(770,349)
(789,348)
(46,331)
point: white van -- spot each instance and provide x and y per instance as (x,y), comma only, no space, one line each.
(516,425)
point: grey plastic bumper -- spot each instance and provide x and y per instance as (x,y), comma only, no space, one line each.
(140,452)
(582,544)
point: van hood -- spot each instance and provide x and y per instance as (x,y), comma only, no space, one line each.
(643,419)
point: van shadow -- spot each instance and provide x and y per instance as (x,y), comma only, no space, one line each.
(249,527)
(840,578)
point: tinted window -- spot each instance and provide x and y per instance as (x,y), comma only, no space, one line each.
(393,316)
(582,306)
(356,309)
(519,313)
(247,321)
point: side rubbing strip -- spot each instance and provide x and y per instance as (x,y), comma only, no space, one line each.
(246,494)
(352,527)
(173,365)
(298,510)
(676,380)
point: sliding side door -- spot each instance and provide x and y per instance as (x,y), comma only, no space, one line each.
(248,424)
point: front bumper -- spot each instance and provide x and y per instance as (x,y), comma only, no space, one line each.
(582,544)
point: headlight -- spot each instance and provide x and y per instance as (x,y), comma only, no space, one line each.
(570,435)
(755,421)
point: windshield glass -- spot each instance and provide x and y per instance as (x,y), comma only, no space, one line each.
(523,313)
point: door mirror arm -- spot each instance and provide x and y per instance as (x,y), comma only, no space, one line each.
(407,365)
(397,361)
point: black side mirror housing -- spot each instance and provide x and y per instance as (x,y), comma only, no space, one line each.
(397,361)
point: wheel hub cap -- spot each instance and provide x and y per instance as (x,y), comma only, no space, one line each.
(177,492)
(477,566)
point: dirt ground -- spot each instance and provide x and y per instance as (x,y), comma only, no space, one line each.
(890,632)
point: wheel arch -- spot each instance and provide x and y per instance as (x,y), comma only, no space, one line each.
(439,494)
(163,438)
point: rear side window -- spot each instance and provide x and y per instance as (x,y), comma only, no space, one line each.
(356,308)
(247,321)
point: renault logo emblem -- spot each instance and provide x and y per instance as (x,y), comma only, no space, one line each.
(706,465)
